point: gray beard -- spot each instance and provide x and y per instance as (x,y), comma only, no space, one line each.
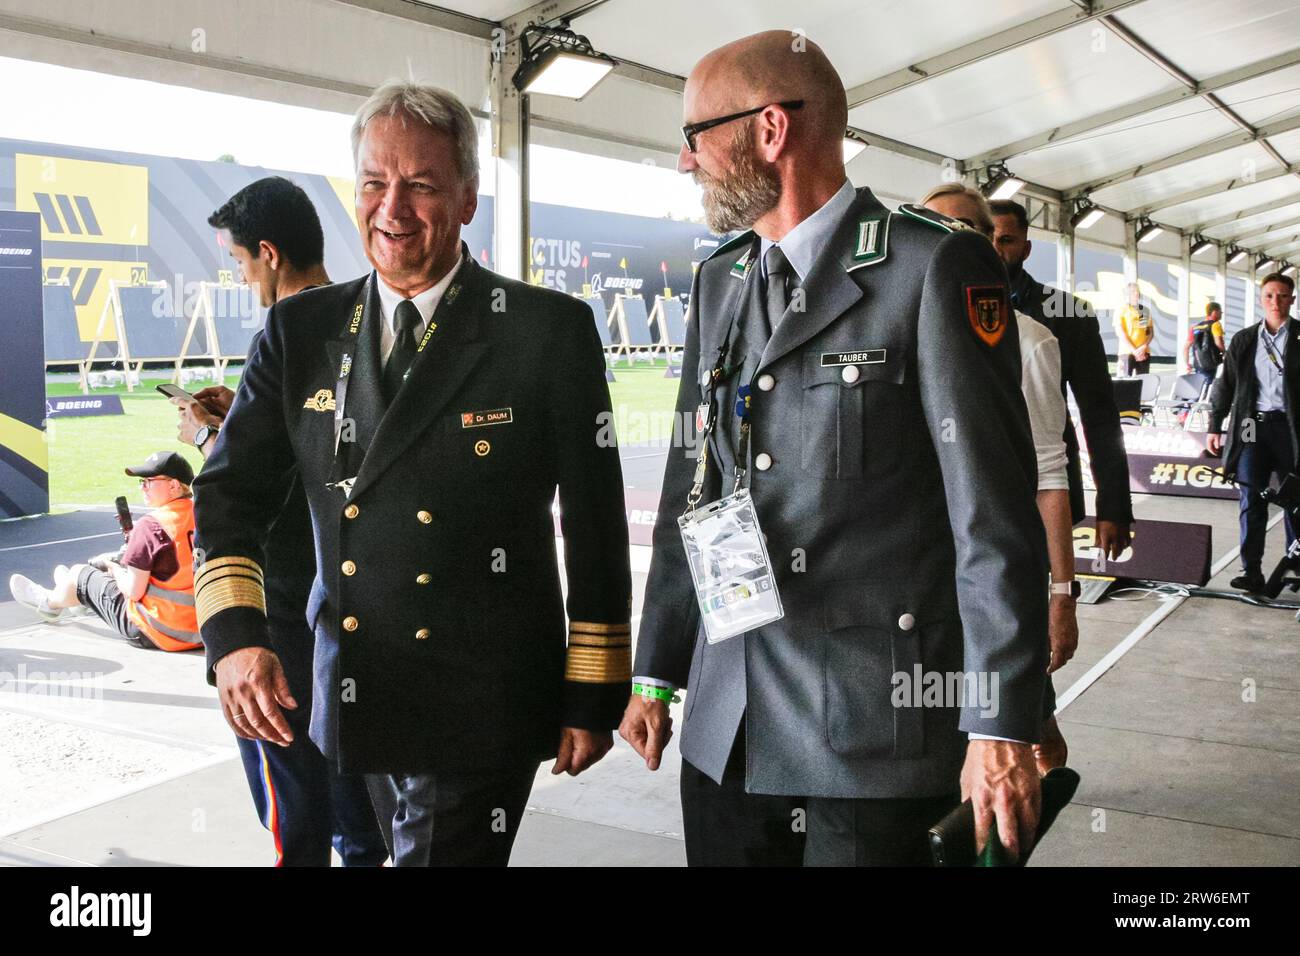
(737,199)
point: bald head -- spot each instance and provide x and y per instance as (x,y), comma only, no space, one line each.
(772,67)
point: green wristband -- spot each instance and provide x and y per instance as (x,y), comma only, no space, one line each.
(650,692)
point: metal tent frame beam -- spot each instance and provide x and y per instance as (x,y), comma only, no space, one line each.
(1137,108)
(1212,190)
(983,48)
(1220,145)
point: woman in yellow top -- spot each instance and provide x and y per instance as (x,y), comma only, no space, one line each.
(1134,330)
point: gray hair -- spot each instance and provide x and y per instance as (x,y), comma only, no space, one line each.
(985,221)
(436,108)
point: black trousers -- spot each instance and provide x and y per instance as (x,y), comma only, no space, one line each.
(1271,453)
(725,826)
(466,818)
(1128,365)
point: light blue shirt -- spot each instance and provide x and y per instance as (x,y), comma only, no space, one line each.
(1270,361)
(804,242)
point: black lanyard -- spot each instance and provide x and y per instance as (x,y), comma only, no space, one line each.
(360,319)
(1270,349)
(709,407)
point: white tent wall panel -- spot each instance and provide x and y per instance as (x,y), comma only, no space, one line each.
(894,179)
(1206,37)
(1251,225)
(851,32)
(1065,77)
(624,108)
(1240,163)
(1124,145)
(1267,97)
(483,9)
(347,49)
(1288,144)
(1248,196)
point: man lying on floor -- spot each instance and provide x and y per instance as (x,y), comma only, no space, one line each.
(147,593)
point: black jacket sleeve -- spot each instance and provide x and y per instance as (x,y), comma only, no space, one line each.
(237,497)
(1089,378)
(593,520)
(1224,391)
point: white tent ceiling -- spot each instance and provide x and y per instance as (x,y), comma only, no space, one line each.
(1184,110)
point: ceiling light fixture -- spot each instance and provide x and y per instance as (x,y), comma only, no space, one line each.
(559,62)
(1148,230)
(1086,214)
(1002,184)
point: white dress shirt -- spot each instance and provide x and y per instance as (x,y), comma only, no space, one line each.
(425,302)
(1040,380)
(804,242)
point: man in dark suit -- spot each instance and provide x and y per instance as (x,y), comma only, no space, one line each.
(889,459)
(1085,371)
(432,409)
(1260,387)
(273,233)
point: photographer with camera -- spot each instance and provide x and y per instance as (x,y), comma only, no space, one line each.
(1260,386)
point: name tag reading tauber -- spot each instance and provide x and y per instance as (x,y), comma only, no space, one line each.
(864,357)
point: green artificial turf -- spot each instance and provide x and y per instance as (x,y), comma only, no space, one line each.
(87,455)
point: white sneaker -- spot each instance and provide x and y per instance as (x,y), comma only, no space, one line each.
(30,594)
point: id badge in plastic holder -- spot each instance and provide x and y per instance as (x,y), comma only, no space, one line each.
(733,578)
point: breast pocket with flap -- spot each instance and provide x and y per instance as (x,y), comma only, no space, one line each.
(851,415)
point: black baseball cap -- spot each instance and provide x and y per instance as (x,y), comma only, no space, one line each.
(164,464)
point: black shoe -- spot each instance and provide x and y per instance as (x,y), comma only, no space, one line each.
(1250,581)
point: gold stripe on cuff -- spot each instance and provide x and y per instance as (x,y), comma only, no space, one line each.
(595,640)
(591,627)
(231,563)
(228,593)
(598,665)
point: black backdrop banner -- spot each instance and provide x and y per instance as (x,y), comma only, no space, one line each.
(24,463)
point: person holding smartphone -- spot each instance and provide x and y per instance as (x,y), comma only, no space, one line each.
(274,234)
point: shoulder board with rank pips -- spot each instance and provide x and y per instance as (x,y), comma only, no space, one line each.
(935,220)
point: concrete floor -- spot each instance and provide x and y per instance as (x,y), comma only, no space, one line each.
(1189,746)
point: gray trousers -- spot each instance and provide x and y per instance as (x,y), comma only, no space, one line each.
(466,818)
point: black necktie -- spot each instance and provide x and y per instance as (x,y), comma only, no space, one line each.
(407,320)
(778,286)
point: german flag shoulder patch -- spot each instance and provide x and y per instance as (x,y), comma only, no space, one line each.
(988,311)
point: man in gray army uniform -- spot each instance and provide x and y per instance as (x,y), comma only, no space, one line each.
(890,460)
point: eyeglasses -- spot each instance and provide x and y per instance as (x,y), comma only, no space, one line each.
(144,482)
(690,131)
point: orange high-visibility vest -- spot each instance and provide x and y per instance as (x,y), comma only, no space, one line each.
(166,612)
